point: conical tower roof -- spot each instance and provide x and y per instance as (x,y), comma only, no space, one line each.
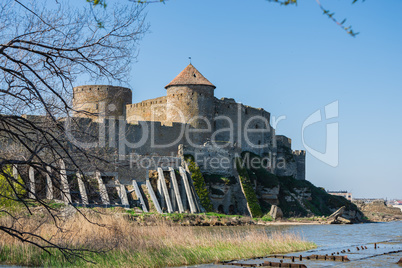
(190,76)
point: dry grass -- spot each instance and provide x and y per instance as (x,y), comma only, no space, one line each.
(130,245)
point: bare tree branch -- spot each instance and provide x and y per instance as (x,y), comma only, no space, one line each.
(45,46)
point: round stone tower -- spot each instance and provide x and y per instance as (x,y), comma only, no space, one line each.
(94,101)
(190,99)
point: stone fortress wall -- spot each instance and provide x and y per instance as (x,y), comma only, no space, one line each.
(259,137)
(222,114)
(147,110)
(294,160)
(103,100)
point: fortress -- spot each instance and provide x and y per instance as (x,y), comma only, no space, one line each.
(145,144)
(191,116)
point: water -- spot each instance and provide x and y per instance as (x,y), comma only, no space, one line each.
(335,238)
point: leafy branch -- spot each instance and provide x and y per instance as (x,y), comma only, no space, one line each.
(328,13)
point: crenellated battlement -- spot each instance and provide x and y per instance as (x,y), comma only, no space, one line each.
(99,88)
(148,103)
(228,100)
(299,152)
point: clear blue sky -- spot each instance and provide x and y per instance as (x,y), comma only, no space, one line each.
(292,61)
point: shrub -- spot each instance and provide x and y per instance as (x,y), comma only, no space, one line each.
(11,189)
(249,192)
(199,184)
(217,178)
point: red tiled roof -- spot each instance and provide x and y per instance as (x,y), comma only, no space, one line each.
(190,76)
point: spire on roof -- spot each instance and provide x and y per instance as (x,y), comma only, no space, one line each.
(190,76)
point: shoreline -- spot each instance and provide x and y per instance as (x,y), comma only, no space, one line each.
(214,219)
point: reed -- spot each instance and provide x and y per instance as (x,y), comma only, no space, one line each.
(120,242)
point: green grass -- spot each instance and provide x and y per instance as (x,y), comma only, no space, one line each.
(177,217)
(267,217)
(219,215)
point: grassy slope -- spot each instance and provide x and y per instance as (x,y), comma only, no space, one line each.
(320,204)
(251,197)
